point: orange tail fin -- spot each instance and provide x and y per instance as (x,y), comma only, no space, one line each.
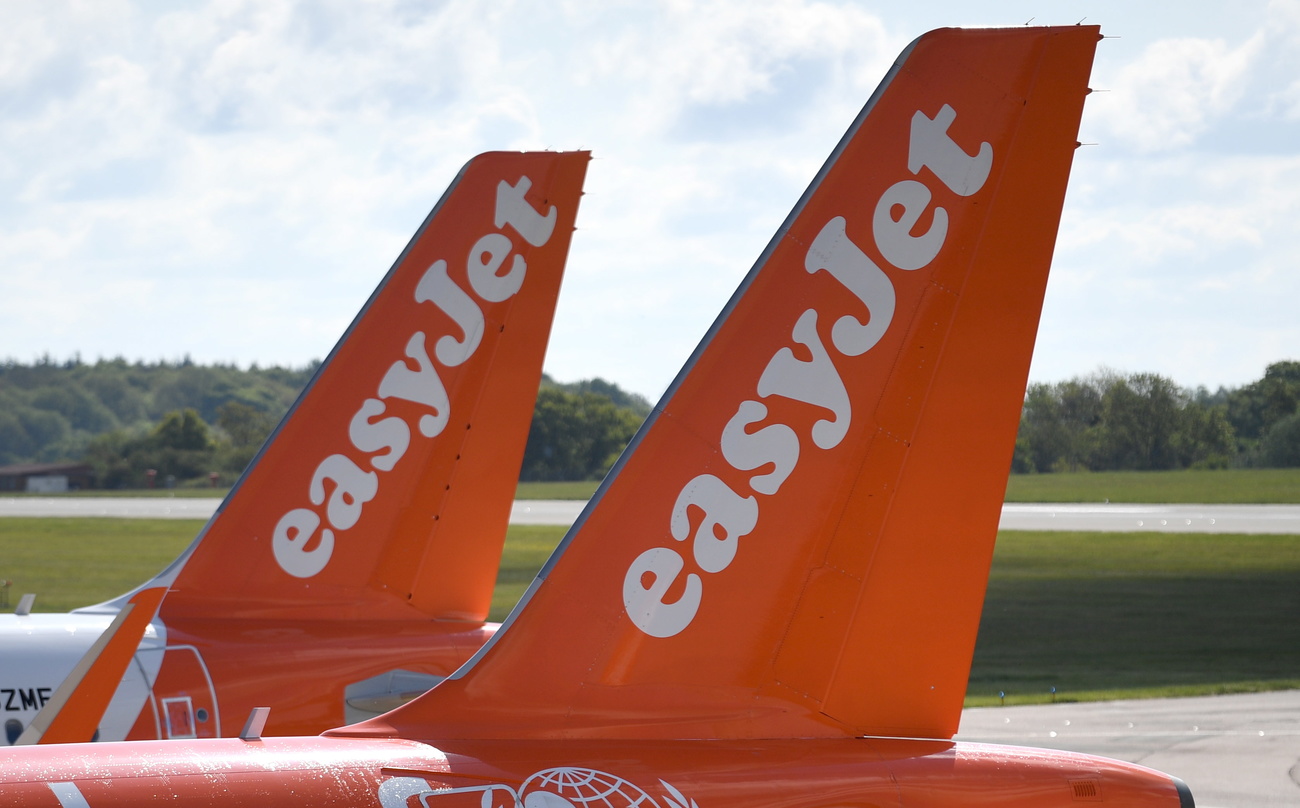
(73,714)
(798,541)
(386,490)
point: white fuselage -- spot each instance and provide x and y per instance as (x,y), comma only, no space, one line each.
(40,650)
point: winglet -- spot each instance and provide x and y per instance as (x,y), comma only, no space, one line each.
(797,543)
(73,713)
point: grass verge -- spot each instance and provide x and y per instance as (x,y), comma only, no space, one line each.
(527,548)
(1121,615)
(575,490)
(1095,615)
(77,562)
(1245,486)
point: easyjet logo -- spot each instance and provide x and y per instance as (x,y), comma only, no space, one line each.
(727,514)
(342,484)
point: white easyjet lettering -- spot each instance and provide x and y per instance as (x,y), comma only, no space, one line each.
(833,251)
(391,434)
(352,488)
(292,539)
(421,385)
(485,260)
(894,237)
(437,288)
(815,382)
(711,510)
(304,539)
(727,517)
(646,605)
(930,146)
(776,444)
(512,209)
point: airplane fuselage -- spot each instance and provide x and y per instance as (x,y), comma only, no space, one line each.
(40,650)
(200,678)
(394,773)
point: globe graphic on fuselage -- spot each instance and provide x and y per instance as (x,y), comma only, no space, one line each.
(585,788)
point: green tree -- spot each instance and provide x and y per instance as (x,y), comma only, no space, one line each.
(1141,418)
(1058,426)
(1205,439)
(1142,421)
(1280,446)
(635,402)
(79,408)
(179,448)
(575,436)
(247,426)
(55,410)
(110,455)
(45,429)
(183,430)
(15,443)
(1257,406)
(109,383)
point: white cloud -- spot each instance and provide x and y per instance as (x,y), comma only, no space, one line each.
(726,52)
(177,160)
(1283,33)
(1174,90)
(730,56)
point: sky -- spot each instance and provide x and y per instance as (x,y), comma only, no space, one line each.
(229,180)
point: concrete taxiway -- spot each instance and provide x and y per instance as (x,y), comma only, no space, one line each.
(1240,751)
(1128,518)
(116,507)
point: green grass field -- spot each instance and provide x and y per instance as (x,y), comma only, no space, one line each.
(1095,615)
(527,548)
(1247,486)
(1101,615)
(77,562)
(577,490)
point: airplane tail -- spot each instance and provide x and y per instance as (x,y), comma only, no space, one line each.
(797,543)
(73,713)
(385,492)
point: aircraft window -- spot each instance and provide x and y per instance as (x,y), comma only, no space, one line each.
(201,715)
(13,728)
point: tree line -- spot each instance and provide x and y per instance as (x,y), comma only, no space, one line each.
(1145,422)
(52,411)
(181,423)
(186,422)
